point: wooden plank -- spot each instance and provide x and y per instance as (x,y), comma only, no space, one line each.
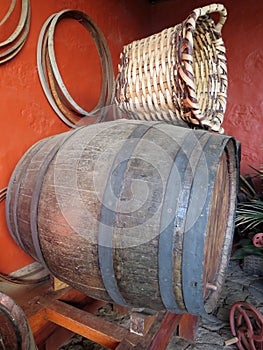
(94,305)
(46,312)
(165,332)
(92,327)
(42,334)
(157,337)
(214,257)
(37,321)
(34,304)
(57,284)
(188,326)
(125,345)
(121,310)
(81,300)
(52,340)
(58,338)
(35,308)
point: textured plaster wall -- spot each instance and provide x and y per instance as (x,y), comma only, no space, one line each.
(25,114)
(242,34)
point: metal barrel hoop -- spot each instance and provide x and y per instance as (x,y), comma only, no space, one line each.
(12,51)
(51,80)
(9,12)
(11,46)
(21,337)
(42,72)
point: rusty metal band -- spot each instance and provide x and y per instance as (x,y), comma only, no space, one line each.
(46,82)
(35,202)
(6,308)
(173,220)
(108,215)
(16,40)
(50,77)
(24,279)
(49,85)
(41,65)
(15,315)
(194,240)
(20,26)
(37,192)
(100,42)
(9,11)
(13,50)
(58,97)
(13,194)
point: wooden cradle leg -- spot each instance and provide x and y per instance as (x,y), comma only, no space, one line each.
(188,326)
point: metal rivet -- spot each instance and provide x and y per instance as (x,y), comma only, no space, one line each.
(211,286)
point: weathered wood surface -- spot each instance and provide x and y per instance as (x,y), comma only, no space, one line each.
(57,284)
(131,212)
(85,324)
(14,329)
(187,327)
(54,316)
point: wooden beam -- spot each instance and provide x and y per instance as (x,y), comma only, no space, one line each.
(84,323)
(44,333)
(165,332)
(47,310)
(58,338)
(125,345)
(157,337)
(188,326)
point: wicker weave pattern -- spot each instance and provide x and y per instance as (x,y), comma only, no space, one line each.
(177,73)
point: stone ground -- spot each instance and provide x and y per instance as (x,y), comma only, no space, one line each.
(212,333)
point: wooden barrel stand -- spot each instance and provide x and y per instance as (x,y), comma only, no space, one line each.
(55,316)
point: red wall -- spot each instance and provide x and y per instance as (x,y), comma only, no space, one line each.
(242,34)
(26,116)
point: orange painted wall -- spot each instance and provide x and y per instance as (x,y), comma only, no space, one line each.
(242,34)
(25,114)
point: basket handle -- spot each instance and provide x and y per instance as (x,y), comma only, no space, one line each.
(202,11)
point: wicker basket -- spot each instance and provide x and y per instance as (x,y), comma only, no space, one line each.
(178,73)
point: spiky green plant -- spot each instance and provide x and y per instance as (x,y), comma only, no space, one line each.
(250,215)
(249,218)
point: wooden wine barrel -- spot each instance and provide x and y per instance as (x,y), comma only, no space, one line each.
(132,212)
(15,332)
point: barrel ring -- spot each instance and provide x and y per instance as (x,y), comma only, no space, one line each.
(51,80)
(17,39)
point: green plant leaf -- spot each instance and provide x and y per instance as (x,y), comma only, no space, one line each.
(247,250)
(243,242)
(250,214)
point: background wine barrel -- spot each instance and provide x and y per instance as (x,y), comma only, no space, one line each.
(15,333)
(132,212)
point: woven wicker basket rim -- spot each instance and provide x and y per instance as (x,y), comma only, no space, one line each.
(166,75)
